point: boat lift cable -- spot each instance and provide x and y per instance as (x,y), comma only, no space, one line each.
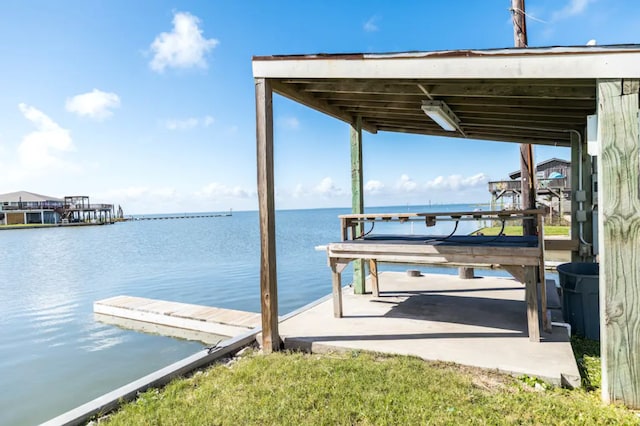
(373,224)
(455,228)
(500,234)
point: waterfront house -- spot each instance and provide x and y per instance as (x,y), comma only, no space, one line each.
(553,188)
(28,208)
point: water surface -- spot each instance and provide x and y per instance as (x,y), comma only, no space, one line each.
(54,356)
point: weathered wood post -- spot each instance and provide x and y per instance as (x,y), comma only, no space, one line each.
(357,198)
(266,205)
(619,239)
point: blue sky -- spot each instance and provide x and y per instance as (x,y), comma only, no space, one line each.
(151,104)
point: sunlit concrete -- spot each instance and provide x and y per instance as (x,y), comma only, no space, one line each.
(478,322)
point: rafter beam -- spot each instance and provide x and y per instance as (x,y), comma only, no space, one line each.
(318,104)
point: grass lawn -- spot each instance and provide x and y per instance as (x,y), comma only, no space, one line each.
(517,230)
(587,353)
(360,389)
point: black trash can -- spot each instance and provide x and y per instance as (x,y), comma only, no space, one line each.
(580,297)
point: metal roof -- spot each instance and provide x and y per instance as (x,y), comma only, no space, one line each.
(532,95)
(26,197)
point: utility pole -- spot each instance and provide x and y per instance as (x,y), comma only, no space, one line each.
(527,168)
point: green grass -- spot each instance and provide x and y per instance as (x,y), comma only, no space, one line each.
(517,230)
(587,353)
(359,389)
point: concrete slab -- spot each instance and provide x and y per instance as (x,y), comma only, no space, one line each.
(478,322)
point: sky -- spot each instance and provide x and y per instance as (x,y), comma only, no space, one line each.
(150,105)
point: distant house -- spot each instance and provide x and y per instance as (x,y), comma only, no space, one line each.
(28,208)
(553,168)
(553,187)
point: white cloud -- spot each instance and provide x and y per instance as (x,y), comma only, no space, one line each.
(299,191)
(291,123)
(371,25)
(592,42)
(189,123)
(95,104)
(328,188)
(574,7)
(373,187)
(406,183)
(183,47)
(207,121)
(217,190)
(457,182)
(37,150)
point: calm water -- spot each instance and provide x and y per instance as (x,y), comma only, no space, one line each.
(54,356)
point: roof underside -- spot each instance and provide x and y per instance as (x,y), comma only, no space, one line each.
(515,95)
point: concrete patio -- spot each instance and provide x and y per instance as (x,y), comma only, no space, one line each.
(477,322)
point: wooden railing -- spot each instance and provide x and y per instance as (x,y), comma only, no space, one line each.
(515,185)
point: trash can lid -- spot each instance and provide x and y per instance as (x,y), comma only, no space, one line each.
(579,268)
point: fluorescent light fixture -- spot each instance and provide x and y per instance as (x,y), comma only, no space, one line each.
(439,112)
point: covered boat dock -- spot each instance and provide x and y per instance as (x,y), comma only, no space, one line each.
(540,96)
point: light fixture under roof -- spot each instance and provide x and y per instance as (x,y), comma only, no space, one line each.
(439,112)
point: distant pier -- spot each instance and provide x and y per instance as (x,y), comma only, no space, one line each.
(184,216)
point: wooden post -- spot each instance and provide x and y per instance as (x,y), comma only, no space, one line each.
(266,205)
(531,299)
(619,239)
(357,198)
(375,286)
(527,166)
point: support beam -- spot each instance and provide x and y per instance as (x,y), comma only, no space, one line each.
(619,239)
(375,286)
(527,165)
(357,198)
(531,299)
(266,204)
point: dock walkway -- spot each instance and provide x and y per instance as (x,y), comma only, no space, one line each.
(203,319)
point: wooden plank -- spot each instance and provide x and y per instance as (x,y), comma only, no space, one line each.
(336,283)
(531,298)
(401,216)
(619,238)
(426,253)
(375,284)
(546,320)
(561,244)
(490,90)
(554,63)
(204,319)
(495,136)
(348,99)
(373,216)
(516,272)
(357,198)
(266,204)
(289,92)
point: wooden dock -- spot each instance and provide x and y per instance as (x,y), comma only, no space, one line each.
(198,318)
(185,216)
